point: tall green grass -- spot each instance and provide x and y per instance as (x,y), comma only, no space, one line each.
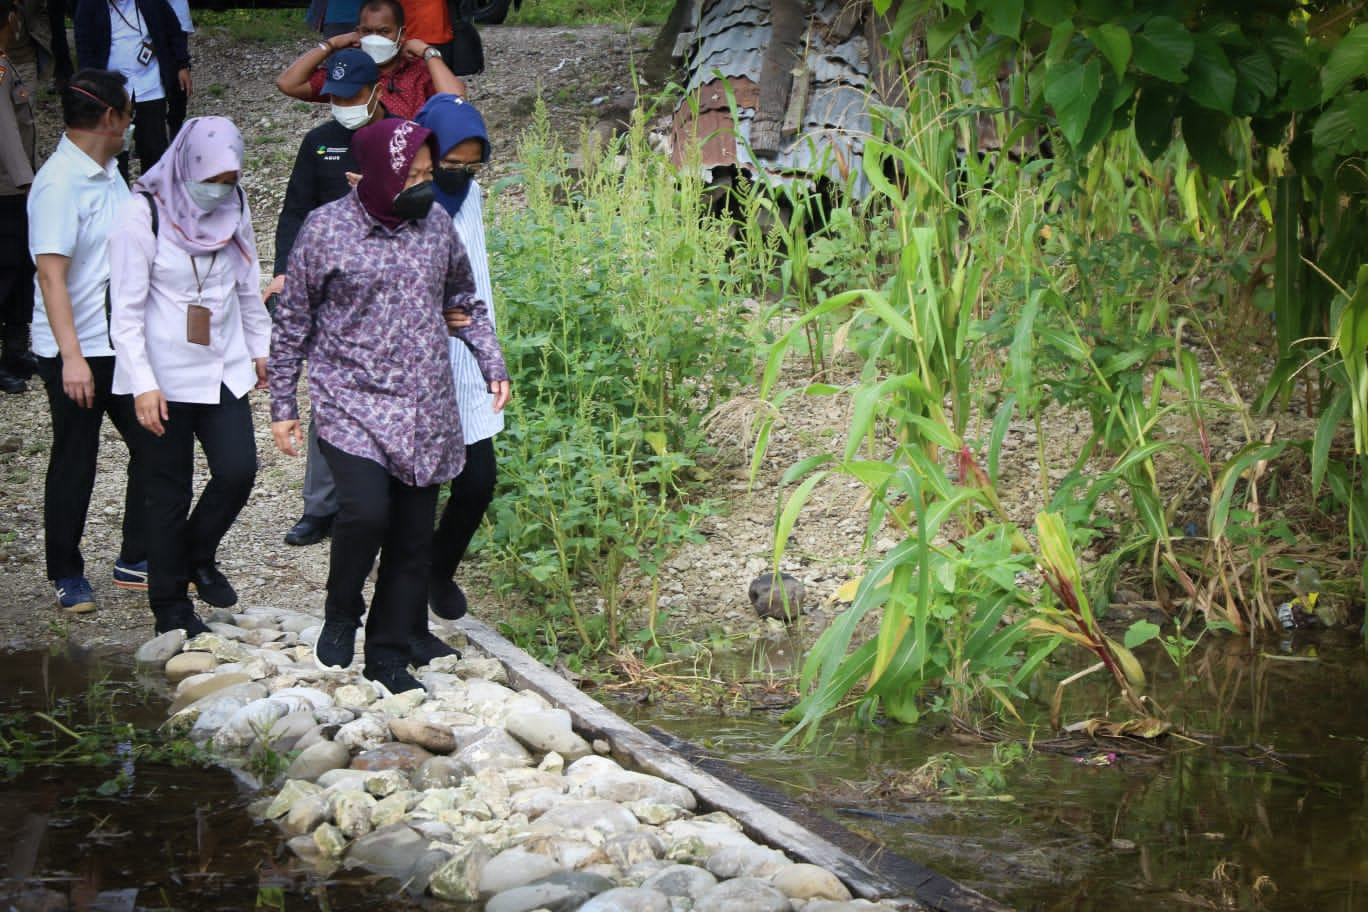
(620,302)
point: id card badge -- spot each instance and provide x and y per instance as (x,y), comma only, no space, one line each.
(145,53)
(197,324)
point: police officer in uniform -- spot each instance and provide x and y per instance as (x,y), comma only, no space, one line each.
(18,162)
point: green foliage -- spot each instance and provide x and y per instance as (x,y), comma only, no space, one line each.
(255,26)
(591,12)
(1292,74)
(621,329)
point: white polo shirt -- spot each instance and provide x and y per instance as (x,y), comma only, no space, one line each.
(70,208)
(127,32)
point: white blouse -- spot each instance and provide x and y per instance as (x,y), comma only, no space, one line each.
(153,283)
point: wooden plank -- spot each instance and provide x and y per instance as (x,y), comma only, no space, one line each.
(633,748)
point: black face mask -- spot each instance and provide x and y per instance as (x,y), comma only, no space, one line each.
(415,202)
(452,181)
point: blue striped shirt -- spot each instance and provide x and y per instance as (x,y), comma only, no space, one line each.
(473,399)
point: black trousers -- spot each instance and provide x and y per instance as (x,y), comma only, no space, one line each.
(16,276)
(378,514)
(179,538)
(150,140)
(71,469)
(61,50)
(471,494)
(177,104)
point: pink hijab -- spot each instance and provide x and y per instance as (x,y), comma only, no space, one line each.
(204,147)
(385,150)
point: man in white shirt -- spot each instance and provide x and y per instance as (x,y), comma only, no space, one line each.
(71,206)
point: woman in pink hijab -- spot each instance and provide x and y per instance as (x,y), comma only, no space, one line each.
(190,336)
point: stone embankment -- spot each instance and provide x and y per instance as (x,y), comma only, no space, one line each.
(468,791)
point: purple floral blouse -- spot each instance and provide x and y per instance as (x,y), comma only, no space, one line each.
(363,305)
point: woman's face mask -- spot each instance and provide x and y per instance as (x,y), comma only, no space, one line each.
(208,196)
(354,117)
(415,202)
(380,48)
(452,180)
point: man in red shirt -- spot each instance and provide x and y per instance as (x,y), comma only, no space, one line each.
(411,70)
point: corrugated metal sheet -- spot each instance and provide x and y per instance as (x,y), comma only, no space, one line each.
(832,83)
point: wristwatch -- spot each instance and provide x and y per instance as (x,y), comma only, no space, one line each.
(431,52)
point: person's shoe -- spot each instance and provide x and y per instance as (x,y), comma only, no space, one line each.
(310,530)
(390,678)
(130,576)
(12,383)
(182,617)
(446,599)
(212,586)
(74,595)
(428,647)
(22,364)
(336,645)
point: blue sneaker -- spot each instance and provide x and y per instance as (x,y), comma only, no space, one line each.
(129,575)
(74,595)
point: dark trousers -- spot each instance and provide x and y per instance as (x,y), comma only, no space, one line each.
(149,136)
(71,469)
(378,514)
(61,50)
(16,278)
(177,104)
(471,494)
(178,538)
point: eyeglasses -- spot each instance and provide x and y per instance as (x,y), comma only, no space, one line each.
(471,168)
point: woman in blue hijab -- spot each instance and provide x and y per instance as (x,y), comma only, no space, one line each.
(463,146)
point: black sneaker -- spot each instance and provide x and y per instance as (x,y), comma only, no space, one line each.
(212,586)
(336,645)
(446,599)
(183,617)
(390,678)
(428,647)
(310,530)
(12,383)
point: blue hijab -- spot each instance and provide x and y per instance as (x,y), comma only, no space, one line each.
(453,120)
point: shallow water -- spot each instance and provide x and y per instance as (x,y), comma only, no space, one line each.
(1279,826)
(1264,808)
(168,837)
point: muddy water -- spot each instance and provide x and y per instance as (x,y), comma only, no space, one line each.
(1263,808)
(164,837)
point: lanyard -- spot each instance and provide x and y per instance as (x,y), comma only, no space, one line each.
(137,17)
(199,283)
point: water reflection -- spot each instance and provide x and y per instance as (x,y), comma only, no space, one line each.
(167,837)
(1259,805)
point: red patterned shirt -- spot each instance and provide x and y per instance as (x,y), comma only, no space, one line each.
(402,90)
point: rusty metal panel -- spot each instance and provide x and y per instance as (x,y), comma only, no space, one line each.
(832,87)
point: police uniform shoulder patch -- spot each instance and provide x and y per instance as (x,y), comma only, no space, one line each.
(4,71)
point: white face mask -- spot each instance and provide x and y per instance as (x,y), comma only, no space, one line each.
(380,48)
(208,196)
(354,117)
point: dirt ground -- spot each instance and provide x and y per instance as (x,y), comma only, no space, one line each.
(584,74)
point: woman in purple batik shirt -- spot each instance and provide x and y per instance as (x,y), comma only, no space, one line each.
(374,289)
